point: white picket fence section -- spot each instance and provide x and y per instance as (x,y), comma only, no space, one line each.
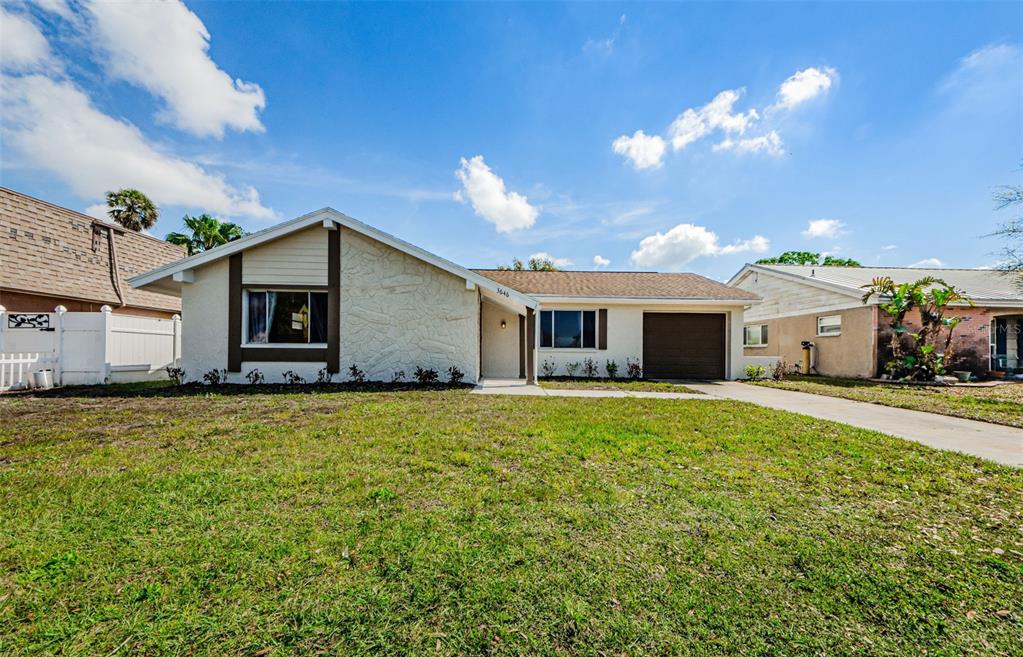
(88,348)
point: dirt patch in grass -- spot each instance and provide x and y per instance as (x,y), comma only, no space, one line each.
(1001,404)
(409,522)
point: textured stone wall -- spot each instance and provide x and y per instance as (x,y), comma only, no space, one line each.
(398,312)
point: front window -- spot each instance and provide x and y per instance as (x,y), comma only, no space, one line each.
(829,325)
(568,329)
(755,336)
(286,317)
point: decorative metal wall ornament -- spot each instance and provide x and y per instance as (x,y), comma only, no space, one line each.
(28,321)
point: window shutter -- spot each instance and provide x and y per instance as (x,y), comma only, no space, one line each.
(602,328)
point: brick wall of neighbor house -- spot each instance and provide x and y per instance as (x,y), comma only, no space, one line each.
(21,302)
(971,342)
(848,354)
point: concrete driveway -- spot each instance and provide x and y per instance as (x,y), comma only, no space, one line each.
(995,442)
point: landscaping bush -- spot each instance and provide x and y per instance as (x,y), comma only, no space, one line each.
(455,375)
(572,368)
(398,376)
(324,376)
(355,375)
(780,370)
(755,372)
(292,378)
(255,377)
(215,377)
(612,369)
(589,368)
(547,369)
(633,369)
(176,374)
(425,376)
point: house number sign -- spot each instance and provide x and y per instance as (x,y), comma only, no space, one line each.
(28,321)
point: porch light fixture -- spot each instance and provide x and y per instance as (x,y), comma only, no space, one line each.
(504,324)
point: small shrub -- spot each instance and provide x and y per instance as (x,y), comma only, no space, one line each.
(255,377)
(633,369)
(398,376)
(589,368)
(176,374)
(755,372)
(455,375)
(780,370)
(292,378)
(355,375)
(215,377)
(612,369)
(425,376)
(547,369)
(324,376)
(572,368)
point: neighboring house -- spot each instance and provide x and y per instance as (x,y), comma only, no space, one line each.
(51,256)
(325,291)
(824,305)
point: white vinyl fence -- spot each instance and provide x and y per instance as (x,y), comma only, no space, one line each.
(86,348)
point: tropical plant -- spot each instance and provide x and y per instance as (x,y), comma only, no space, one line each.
(808,258)
(215,377)
(589,368)
(204,233)
(356,375)
(923,354)
(425,375)
(633,369)
(547,369)
(455,375)
(132,209)
(572,368)
(292,377)
(175,374)
(324,376)
(780,369)
(255,377)
(612,369)
(755,372)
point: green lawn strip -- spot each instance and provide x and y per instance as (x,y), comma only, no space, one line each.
(1001,404)
(438,522)
(616,384)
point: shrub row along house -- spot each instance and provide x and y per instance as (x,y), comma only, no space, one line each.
(327,292)
(824,305)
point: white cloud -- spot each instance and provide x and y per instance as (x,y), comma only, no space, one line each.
(823,228)
(686,242)
(23,46)
(163,47)
(991,63)
(508,211)
(59,7)
(805,85)
(926,263)
(889,247)
(600,262)
(560,263)
(54,126)
(769,144)
(693,124)
(645,151)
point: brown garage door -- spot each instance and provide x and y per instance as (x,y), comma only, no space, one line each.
(683,346)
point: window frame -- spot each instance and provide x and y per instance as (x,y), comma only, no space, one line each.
(278,345)
(830,334)
(764,335)
(582,329)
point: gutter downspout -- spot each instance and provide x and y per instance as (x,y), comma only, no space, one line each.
(114,277)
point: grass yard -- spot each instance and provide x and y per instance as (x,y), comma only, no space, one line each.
(1001,404)
(435,522)
(616,384)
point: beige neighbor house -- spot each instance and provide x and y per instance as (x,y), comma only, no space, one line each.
(823,305)
(326,292)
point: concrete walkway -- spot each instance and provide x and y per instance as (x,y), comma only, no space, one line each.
(995,442)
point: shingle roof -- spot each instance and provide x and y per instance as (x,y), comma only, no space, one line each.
(979,284)
(47,249)
(625,284)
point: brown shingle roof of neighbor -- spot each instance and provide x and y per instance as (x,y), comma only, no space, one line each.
(625,284)
(50,250)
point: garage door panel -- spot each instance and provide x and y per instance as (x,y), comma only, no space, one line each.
(684,345)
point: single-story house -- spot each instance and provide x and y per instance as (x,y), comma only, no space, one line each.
(823,305)
(325,291)
(52,256)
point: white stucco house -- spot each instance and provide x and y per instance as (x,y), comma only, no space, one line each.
(328,291)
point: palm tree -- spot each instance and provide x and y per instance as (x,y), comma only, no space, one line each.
(132,209)
(206,233)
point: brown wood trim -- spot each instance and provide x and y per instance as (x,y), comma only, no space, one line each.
(334,300)
(234,313)
(530,345)
(284,355)
(602,328)
(522,347)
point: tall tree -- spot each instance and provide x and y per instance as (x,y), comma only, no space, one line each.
(534,264)
(132,209)
(1012,230)
(204,233)
(808,258)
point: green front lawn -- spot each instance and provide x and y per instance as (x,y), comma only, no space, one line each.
(438,522)
(1002,404)
(633,385)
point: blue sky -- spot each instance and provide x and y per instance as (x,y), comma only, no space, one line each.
(481,132)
